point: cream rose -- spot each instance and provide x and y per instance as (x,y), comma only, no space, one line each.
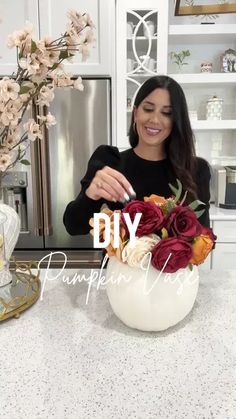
(133,255)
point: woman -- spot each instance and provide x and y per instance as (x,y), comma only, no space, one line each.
(162,150)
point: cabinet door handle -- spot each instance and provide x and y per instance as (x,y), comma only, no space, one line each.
(45,176)
(36,183)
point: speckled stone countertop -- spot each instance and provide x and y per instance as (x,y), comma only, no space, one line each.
(65,359)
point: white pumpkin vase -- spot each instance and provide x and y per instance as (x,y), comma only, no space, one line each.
(150,300)
(9,233)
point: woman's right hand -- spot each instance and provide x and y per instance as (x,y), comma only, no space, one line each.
(110,185)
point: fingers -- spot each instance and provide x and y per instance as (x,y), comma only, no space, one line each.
(115,184)
(106,195)
(110,185)
(121,179)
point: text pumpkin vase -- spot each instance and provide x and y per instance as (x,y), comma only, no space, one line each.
(150,300)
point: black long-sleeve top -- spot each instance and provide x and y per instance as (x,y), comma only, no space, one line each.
(146,177)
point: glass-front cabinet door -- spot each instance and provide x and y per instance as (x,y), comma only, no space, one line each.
(142,35)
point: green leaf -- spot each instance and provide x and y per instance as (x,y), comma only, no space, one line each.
(177,192)
(190,266)
(25,162)
(184,197)
(24,89)
(173,188)
(195,204)
(169,206)
(33,46)
(199,213)
(63,55)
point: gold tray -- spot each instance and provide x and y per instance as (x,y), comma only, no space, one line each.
(21,292)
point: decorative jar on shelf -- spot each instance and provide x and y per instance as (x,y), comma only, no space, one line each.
(130,29)
(149,29)
(214,108)
(206,67)
(228,61)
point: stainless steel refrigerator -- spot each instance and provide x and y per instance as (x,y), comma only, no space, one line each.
(58,163)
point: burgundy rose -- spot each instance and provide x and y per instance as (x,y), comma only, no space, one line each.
(151,220)
(209,232)
(182,222)
(180,250)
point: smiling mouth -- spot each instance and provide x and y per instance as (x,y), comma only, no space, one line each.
(152,131)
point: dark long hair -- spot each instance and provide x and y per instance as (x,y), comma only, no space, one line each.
(179,146)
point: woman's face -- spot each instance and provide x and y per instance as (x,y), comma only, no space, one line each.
(153,118)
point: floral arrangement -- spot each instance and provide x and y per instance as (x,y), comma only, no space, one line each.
(39,71)
(168,230)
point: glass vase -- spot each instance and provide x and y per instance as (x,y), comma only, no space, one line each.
(9,233)
(5,275)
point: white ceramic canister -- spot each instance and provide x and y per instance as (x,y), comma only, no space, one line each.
(214,108)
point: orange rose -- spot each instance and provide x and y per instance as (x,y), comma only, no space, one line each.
(166,204)
(122,240)
(156,199)
(201,247)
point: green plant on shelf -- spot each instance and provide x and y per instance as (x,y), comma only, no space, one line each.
(179,57)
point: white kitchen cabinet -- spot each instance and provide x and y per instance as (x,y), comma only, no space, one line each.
(141,44)
(53,19)
(225,231)
(13,16)
(224,256)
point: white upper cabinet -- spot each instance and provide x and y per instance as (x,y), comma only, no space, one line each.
(13,16)
(53,20)
(142,43)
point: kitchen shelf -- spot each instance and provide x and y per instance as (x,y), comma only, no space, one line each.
(204,78)
(208,125)
(223,124)
(197,33)
(141,75)
(194,78)
(142,43)
(141,38)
